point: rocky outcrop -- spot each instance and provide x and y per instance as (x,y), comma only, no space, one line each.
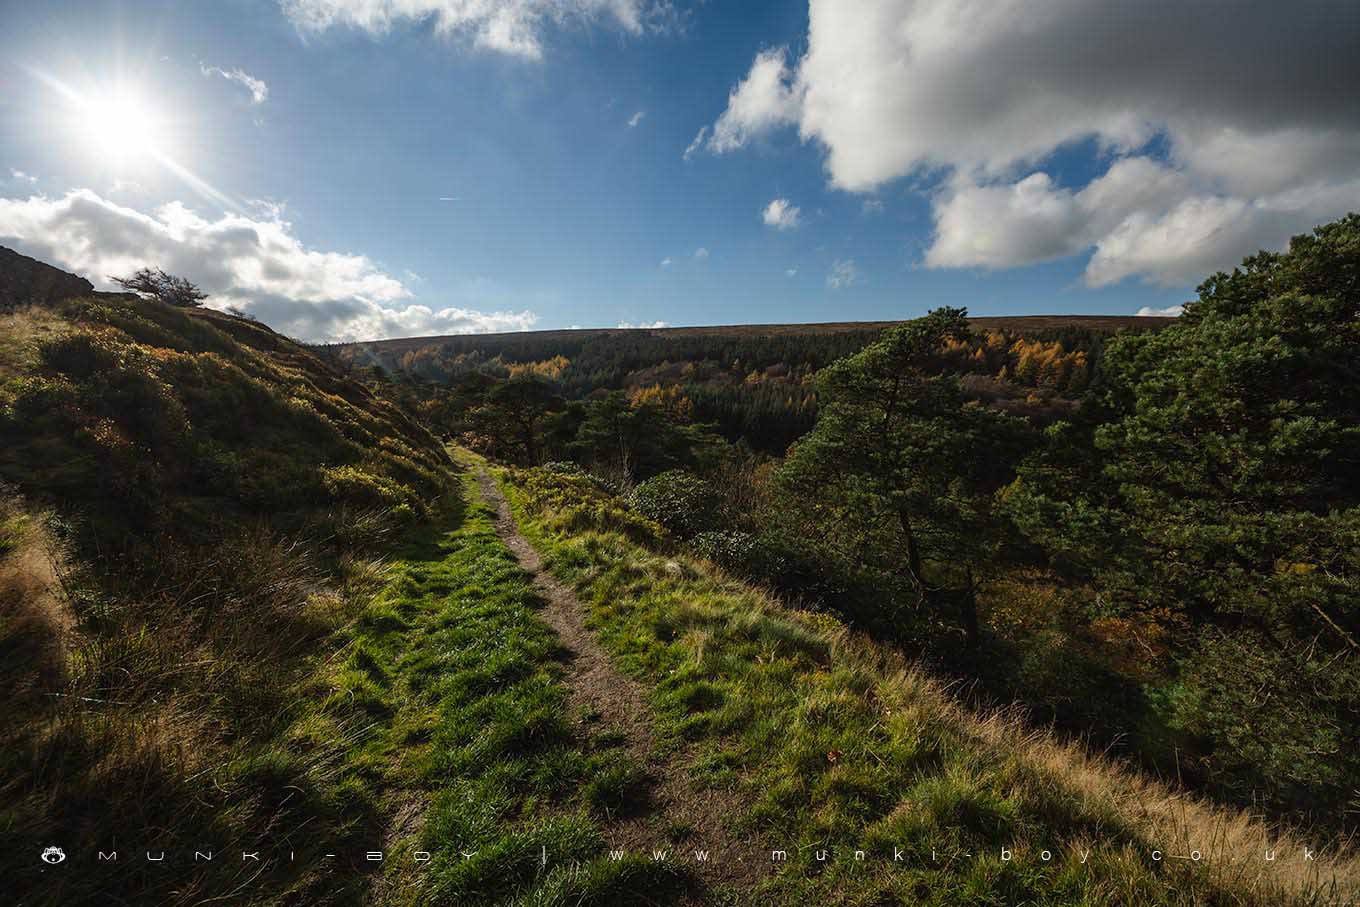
(27,281)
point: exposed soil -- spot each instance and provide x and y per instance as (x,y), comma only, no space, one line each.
(596,687)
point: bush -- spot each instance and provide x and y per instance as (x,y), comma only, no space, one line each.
(681,501)
(1273,723)
(740,553)
(575,502)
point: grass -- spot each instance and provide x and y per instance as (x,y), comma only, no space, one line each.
(455,659)
(427,716)
(837,743)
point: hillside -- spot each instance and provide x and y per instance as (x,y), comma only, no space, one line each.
(193,510)
(396,346)
(749,383)
(251,603)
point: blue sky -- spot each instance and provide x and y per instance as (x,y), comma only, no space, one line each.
(304,151)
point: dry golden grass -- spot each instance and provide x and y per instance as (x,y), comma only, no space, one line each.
(1231,842)
(22,332)
(36,623)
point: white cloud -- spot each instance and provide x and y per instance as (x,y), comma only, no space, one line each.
(257,265)
(791,272)
(760,103)
(843,274)
(259,91)
(1142,218)
(636,118)
(514,27)
(667,262)
(696,145)
(701,252)
(1173,311)
(20,176)
(873,206)
(652,325)
(781,215)
(1261,140)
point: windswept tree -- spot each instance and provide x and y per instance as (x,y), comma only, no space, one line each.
(901,471)
(153,283)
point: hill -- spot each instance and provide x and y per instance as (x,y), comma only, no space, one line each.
(191,508)
(751,383)
(252,605)
(1014,323)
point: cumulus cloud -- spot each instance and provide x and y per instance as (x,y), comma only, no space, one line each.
(782,215)
(20,176)
(514,27)
(701,252)
(1174,311)
(1142,218)
(843,274)
(259,91)
(1256,136)
(667,262)
(790,272)
(646,325)
(636,118)
(256,265)
(760,103)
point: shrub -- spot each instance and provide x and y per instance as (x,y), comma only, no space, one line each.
(364,489)
(576,502)
(1276,723)
(681,501)
(82,353)
(739,553)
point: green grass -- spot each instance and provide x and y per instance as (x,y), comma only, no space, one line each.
(833,742)
(455,661)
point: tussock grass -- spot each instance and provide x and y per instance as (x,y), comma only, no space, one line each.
(157,706)
(837,742)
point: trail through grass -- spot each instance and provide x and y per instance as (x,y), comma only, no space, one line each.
(875,785)
(456,663)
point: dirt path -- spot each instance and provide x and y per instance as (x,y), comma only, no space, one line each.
(595,686)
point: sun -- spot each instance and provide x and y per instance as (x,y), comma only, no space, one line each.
(121,126)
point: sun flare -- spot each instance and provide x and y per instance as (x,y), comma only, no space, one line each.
(121,125)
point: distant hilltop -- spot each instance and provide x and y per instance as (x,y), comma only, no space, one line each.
(1019,324)
(28,281)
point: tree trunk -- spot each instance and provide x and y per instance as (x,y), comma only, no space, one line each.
(913,554)
(968,608)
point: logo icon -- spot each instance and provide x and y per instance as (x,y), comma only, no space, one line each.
(53,855)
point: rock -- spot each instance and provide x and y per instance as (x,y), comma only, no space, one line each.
(27,281)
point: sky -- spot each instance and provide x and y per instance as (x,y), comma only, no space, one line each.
(357,169)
